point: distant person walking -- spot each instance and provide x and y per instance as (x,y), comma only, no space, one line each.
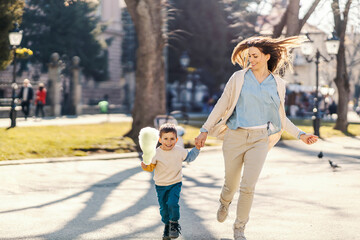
(26,96)
(250,117)
(40,100)
(104,104)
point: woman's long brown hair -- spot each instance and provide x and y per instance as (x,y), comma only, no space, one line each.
(278,48)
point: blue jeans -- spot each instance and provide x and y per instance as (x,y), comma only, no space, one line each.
(168,197)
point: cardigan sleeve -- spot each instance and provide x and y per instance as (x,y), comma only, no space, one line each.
(289,126)
(292,129)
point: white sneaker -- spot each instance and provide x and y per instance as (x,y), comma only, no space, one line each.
(239,234)
(222,212)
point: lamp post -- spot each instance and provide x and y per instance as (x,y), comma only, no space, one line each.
(307,48)
(184,62)
(195,80)
(15,38)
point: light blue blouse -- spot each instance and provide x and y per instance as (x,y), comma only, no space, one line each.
(257,105)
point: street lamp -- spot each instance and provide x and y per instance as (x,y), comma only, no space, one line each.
(15,38)
(184,62)
(307,48)
(192,75)
(193,78)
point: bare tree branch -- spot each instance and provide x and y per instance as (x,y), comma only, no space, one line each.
(346,14)
(291,20)
(278,28)
(354,63)
(353,55)
(309,12)
(337,18)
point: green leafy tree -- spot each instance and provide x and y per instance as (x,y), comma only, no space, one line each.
(69,28)
(11,12)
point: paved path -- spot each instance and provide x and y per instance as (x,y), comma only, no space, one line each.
(100,118)
(298,197)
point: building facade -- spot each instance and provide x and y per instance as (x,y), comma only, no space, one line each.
(110,13)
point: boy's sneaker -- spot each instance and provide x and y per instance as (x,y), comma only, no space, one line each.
(166,232)
(222,212)
(239,234)
(174,229)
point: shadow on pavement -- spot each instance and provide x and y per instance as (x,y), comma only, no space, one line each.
(101,191)
(84,221)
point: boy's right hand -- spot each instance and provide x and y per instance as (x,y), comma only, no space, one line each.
(197,145)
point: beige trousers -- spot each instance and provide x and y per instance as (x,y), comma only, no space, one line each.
(243,148)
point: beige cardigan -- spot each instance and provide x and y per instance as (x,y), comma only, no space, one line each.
(216,122)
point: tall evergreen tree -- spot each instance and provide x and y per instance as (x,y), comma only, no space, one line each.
(11,12)
(70,28)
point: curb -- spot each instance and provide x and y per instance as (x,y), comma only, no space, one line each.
(96,157)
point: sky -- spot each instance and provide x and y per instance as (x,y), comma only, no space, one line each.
(322,16)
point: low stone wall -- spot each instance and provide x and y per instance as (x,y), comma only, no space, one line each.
(5,111)
(86,109)
(94,109)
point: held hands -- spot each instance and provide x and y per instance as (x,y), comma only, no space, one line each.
(197,145)
(200,140)
(309,138)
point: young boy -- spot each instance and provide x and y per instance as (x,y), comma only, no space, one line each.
(167,163)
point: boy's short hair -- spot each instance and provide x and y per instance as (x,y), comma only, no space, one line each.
(166,128)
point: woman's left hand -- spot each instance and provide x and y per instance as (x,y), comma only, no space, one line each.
(309,138)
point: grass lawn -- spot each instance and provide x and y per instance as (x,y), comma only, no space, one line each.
(81,140)
(60,141)
(326,129)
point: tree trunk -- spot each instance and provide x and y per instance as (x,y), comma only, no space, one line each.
(150,78)
(342,84)
(342,78)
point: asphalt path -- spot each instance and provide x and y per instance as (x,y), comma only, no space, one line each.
(298,196)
